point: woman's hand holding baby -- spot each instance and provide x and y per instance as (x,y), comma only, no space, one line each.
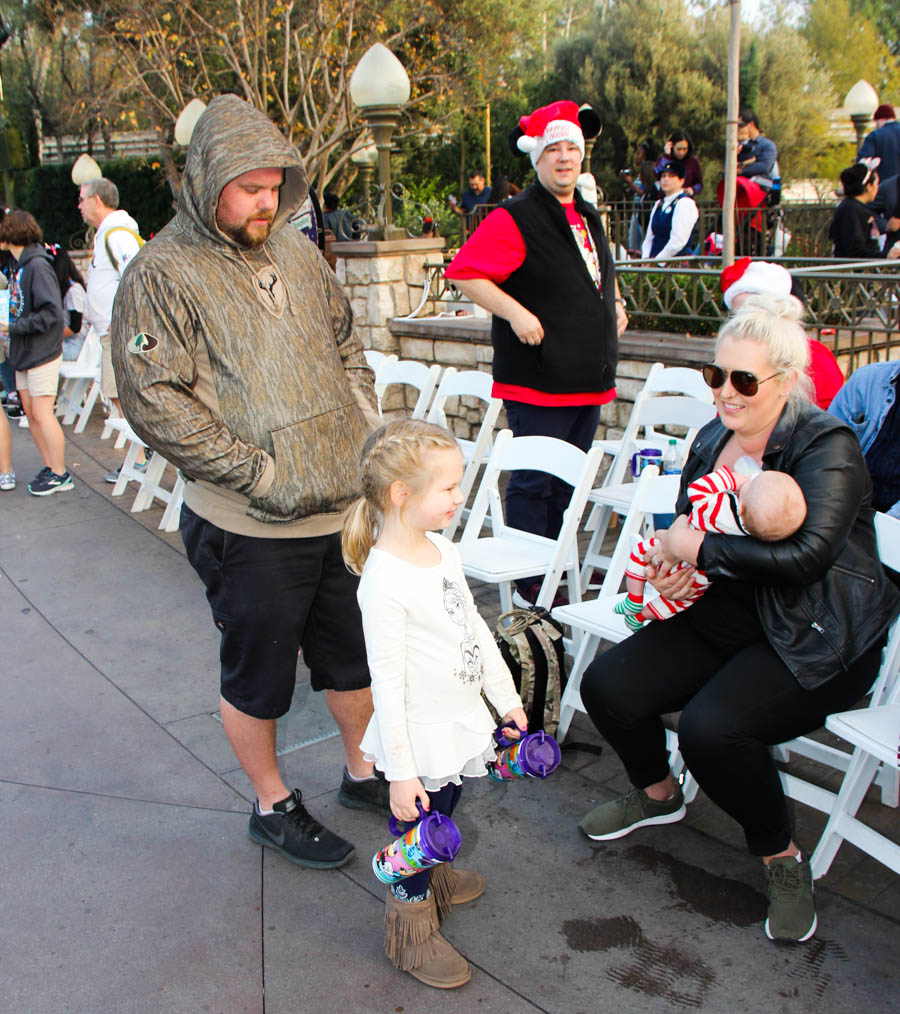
(677,543)
(403,799)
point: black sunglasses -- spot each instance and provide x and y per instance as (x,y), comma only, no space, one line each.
(743,381)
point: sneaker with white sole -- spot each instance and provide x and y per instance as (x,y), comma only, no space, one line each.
(47,482)
(635,809)
(298,836)
(7,481)
(792,909)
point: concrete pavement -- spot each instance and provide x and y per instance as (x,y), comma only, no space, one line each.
(129,883)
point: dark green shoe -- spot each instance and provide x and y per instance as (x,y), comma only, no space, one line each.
(635,809)
(792,910)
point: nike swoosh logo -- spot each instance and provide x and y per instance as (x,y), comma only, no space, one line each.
(278,839)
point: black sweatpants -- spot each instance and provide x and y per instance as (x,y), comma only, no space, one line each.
(737,698)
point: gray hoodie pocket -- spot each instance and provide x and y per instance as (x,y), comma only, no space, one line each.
(316,466)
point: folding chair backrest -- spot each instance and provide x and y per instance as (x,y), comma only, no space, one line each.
(542,454)
(677,380)
(472,384)
(374,357)
(655,494)
(412,374)
(666,410)
(887,531)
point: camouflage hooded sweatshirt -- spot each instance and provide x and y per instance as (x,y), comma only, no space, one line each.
(240,366)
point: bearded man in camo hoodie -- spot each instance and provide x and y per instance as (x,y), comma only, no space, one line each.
(236,359)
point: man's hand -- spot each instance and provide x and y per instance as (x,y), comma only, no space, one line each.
(527,326)
(403,799)
(893,224)
(621,319)
(894,252)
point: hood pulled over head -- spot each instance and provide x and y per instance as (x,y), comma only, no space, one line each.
(232,138)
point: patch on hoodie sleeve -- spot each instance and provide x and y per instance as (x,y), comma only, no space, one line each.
(142,342)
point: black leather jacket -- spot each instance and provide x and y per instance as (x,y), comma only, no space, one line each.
(822,595)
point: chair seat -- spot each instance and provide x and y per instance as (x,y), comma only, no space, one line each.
(619,497)
(506,559)
(595,617)
(876,730)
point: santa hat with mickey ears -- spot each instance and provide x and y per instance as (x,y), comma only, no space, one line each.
(560,121)
(746,275)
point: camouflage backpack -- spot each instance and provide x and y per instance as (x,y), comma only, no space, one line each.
(531,643)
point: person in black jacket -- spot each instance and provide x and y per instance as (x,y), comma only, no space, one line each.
(854,229)
(35,345)
(788,632)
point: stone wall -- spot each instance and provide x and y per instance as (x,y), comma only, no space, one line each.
(386,280)
(465,342)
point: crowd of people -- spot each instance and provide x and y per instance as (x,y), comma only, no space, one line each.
(312,525)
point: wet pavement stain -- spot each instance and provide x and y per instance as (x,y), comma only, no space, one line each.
(718,898)
(811,961)
(668,971)
(602,934)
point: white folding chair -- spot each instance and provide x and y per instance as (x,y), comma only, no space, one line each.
(172,514)
(616,493)
(410,373)
(509,554)
(472,384)
(149,480)
(595,620)
(874,733)
(77,379)
(374,357)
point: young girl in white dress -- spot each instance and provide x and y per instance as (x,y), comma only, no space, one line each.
(430,656)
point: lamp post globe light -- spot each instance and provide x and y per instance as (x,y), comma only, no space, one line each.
(861,103)
(85,169)
(365,158)
(380,87)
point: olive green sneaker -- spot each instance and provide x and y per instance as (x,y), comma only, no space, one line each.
(635,809)
(792,910)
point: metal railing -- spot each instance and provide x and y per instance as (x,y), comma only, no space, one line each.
(794,230)
(852,307)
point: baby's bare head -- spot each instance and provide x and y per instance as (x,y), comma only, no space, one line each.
(772,506)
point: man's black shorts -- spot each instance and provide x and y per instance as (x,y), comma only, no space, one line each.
(269,599)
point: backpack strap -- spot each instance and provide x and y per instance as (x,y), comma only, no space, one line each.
(120,228)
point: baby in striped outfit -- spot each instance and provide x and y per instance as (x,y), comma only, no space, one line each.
(768,505)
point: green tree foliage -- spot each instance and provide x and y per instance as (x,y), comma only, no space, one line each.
(651,66)
(848,46)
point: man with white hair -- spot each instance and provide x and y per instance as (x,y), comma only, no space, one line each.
(116,241)
(541,265)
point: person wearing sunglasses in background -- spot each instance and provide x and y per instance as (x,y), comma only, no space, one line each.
(788,632)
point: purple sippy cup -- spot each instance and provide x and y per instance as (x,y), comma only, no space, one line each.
(535,755)
(432,839)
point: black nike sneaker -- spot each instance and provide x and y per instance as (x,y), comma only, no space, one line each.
(298,836)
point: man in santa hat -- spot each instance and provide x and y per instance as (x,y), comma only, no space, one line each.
(541,265)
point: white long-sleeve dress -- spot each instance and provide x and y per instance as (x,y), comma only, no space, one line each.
(430,655)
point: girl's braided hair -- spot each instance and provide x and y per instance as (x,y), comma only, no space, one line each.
(394,452)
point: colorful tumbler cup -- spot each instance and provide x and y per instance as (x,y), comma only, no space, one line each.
(535,755)
(433,839)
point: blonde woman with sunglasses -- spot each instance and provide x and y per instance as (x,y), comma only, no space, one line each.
(788,632)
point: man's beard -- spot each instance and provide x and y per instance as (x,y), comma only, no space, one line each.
(242,235)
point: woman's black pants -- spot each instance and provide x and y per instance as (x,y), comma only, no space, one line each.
(736,697)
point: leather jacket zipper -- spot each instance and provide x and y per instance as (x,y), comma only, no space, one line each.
(852,573)
(821,630)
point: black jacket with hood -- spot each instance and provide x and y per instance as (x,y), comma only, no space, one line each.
(36,332)
(822,594)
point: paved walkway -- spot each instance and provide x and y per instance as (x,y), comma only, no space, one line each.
(128,882)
